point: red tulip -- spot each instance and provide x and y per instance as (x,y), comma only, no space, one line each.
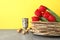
(35,18)
(51,18)
(42,8)
(38,13)
(46,14)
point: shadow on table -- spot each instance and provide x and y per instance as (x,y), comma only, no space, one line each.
(47,36)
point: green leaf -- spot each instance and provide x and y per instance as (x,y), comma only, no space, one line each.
(43,19)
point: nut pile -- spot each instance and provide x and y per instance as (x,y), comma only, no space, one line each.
(23,31)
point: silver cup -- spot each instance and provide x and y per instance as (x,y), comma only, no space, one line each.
(25,23)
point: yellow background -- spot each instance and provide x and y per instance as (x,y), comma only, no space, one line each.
(11,11)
